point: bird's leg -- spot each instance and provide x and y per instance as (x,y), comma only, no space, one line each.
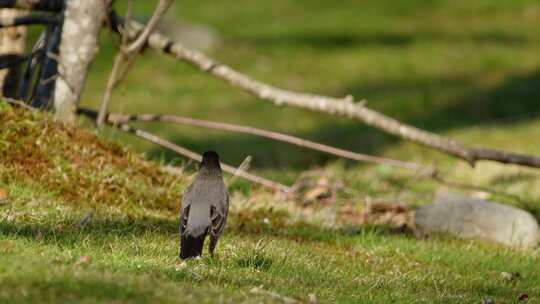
(212,245)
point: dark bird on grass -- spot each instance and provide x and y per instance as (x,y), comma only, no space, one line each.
(205,204)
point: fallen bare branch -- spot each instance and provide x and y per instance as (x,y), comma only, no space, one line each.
(345,107)
(124,118)
(422,171)
(19,103)
(334,106)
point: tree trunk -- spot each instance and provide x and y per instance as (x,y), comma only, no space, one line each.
(78,46)
(12,44)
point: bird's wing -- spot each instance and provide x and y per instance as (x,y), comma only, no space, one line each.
(186,205)
(218,216)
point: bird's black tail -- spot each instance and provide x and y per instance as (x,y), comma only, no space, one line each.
(191,246)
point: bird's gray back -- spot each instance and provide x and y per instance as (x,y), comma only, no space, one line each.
(202,195)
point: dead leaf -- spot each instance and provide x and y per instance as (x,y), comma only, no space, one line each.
(523,298)
(83,260)
(180,265)
(510,276)
(392,214)
(317,193)
(312,298)
(3,195)
(317,186)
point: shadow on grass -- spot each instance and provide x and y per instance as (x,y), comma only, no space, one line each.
(95,229)
(92,290)
(324,40)
(464,102)
(105,230)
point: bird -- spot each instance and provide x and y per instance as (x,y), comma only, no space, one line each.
(205,205)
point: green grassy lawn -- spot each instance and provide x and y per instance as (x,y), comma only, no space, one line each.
(83,220)
(466,69)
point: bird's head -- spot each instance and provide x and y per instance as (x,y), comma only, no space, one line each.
(210,160)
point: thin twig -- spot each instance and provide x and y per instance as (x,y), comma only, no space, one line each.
(141,40)
(244,166)
(128,52)
(111,84)
(124,118)
(129,14)
(116,75)
(18,103)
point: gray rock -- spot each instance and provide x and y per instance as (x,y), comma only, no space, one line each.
(473,218)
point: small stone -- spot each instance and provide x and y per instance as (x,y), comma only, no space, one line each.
(488,301)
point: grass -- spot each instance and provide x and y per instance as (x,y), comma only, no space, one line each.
(271,252)
(465,69)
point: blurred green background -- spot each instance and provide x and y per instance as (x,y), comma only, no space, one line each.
(469,69)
